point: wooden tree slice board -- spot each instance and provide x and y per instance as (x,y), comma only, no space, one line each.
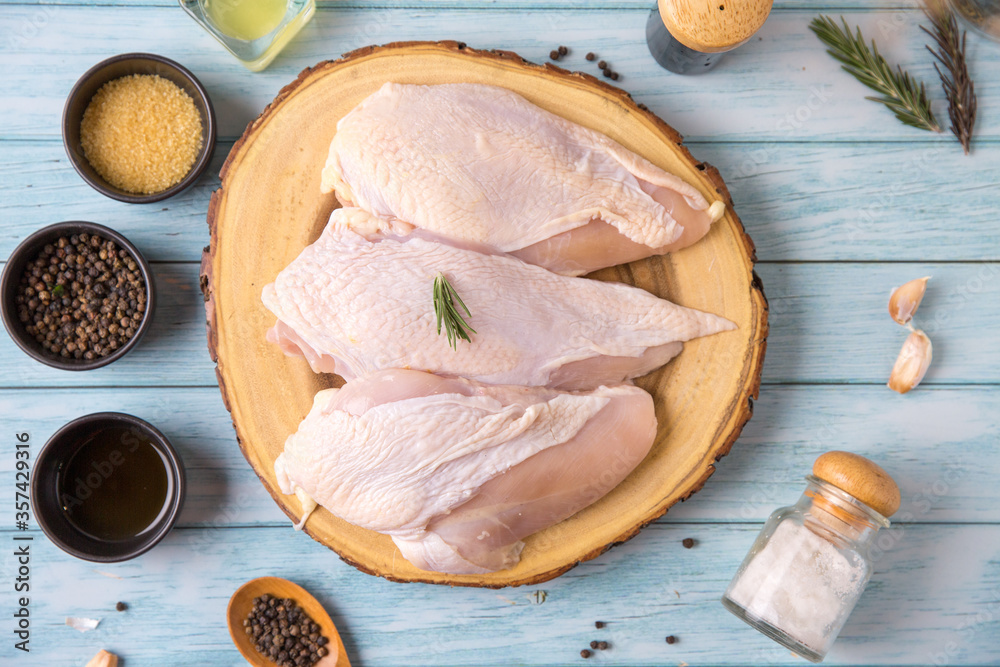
(269,207)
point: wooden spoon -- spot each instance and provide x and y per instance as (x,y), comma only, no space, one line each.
(242,602)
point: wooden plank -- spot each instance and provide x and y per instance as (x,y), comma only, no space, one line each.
(39,187)
(173,352)
(815,202)
(934,598)
(919,438)
(829,323)
(874,201)
(937,442)
(787,87)
(222,489)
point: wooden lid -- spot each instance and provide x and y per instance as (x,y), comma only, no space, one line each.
(860,477)
(712,26)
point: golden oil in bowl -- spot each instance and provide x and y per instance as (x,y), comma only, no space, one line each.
(112,466)
(107,487)
(245,19)
(254,31)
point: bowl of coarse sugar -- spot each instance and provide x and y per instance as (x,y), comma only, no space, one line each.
(139,128)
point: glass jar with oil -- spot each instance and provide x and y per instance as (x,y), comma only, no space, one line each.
(254,31)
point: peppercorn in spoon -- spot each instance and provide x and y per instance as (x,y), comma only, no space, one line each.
(275,622)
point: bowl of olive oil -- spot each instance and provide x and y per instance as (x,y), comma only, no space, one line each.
(254,31)
(107,487)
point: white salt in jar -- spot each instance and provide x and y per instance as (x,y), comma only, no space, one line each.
(810,563)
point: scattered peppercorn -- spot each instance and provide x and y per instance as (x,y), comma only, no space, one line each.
(563,50)
(602,646)
(671,639)
(591,56)
(554,55)
(608,73)
(688,542)
(81,297)
(602,65)
(282,631)
(599,624)
(121,606)
(593,644)
(585,653)
(614,76)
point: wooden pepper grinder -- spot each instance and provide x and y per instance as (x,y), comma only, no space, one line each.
(690,36)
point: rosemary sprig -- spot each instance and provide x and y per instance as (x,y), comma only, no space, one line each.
(955,79)
(897,90)
(446,312)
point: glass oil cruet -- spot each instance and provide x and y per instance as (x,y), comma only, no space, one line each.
(254,31)
(811,562)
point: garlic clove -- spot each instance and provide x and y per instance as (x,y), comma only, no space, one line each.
(103,659)
(912,362)
(82,624)
(906,299)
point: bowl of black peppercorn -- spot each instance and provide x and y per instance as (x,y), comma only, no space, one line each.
(77,296)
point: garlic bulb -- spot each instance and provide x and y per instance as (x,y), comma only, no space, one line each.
(912,362)
(906,299)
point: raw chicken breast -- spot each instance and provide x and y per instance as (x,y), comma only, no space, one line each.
(355,306)
(457,472)
(482,164)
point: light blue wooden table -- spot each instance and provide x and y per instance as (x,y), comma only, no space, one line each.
(843,203)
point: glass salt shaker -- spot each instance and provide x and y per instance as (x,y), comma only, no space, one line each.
(811,562)
(690,36)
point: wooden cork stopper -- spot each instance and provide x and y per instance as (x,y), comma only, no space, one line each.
(713,26)
(860,477)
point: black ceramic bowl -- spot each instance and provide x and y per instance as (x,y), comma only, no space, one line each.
(25,253)
(124,65)
(50,493)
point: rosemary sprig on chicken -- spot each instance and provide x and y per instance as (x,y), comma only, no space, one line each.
(448,314)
